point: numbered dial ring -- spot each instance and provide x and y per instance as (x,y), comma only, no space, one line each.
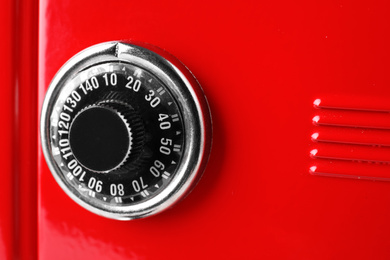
(125,132)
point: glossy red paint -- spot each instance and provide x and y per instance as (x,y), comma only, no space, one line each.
(297,89)
(7,135)
(18,215)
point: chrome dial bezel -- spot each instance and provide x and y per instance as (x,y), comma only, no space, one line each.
(184,89)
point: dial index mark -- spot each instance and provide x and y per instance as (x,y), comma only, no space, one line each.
(166,175)
(92,193)
(144,193)
(70,176)
(175,117)
(137,73)
(176,147)
(160,91)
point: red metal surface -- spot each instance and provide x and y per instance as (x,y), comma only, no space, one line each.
(18,214)
(262,65)
(6,134)
(26,56)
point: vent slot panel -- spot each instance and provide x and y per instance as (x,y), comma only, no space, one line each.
(351,140)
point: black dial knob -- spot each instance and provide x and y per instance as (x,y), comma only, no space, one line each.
(125,132)
(101,138)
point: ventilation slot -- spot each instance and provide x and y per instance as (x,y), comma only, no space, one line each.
(351,140)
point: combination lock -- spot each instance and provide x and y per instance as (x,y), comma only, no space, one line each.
(125,129)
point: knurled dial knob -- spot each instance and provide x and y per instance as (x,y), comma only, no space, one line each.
(106,137)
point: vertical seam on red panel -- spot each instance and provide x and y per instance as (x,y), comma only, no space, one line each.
(15,133)
(25,129)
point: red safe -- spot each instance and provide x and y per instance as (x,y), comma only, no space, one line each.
(299,98)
